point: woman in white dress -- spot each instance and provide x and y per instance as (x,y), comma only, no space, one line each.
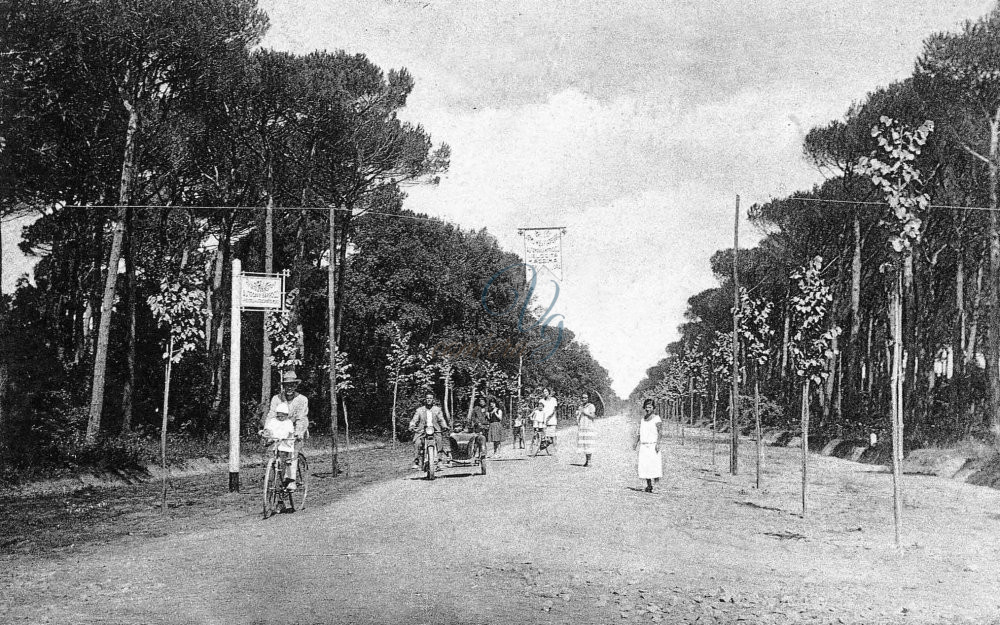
(648,444)
(585,428)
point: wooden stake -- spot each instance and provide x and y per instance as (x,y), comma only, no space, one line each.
(715,411)
(347,440)
(805,443)
(896,381)
(163,425)
(756,415)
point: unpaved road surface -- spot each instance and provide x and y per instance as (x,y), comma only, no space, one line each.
(544,540)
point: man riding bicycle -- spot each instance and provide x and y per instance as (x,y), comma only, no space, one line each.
(298,414)
(428,414)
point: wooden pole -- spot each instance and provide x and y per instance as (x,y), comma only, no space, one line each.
(756,416)
(896,307)
(163,426)
(395,395)
(235,329)
(734,414)
(715,411)
(265,373)
(347,439)
(805,442)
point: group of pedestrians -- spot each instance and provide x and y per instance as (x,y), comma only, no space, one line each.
(289,410)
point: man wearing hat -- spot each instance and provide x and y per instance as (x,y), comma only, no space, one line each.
(298,412)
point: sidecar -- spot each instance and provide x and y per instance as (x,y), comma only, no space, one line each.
(466,452)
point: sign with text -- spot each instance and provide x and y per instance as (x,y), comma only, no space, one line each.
(261,292)
(543,248)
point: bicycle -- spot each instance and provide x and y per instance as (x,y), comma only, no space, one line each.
(276,493)
(541,442)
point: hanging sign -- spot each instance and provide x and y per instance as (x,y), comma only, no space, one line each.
(262,291)
(543,249)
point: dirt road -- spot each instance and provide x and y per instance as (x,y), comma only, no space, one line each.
(544,540)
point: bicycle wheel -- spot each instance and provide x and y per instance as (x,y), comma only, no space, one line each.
(431,461)
(272,486)
(533,445)
(302,483)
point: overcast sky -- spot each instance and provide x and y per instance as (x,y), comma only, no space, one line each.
(632,123)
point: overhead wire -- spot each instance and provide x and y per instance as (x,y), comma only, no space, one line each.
(276,208)
(870,203)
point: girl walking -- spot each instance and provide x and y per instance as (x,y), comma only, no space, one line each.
(648,445)
(585,434)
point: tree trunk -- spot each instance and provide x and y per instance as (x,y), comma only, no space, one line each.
(734,416)
(869,363)
(853,339)
(444,402)
(345,227)
(785,336)
(332,329)
(972,341)
(111,281)
(472,402)
(163,425)
(4,377)
(957,381)
(219,356)
(993,353)
(395,394)
(828,387)
(132,292)
(300,269)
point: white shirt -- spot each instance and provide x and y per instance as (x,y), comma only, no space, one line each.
(549,409)
(281,430)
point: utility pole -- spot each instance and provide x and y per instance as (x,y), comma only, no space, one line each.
(734,429)
(265,379)
(235,330)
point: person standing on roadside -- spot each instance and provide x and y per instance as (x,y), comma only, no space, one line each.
(549,404)
(517,429)
(298,413)
(495,433)
(648,445)
(585,428)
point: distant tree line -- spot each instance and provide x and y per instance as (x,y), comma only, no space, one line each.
(151,143)
(950,279)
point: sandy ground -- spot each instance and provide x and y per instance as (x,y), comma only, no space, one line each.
(540,540)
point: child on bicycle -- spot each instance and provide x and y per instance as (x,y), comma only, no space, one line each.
(279,430)
(538,423)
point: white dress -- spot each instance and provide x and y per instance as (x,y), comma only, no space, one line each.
(650,460)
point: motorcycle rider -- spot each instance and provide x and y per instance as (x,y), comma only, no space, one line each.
(428,414)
